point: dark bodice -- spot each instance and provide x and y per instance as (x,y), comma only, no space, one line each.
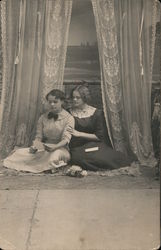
(93,124)
(104,157)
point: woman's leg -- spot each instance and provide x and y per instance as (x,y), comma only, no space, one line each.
(101,159)
(22,160)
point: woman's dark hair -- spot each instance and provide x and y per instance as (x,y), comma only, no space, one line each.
(83,91)
(57,93)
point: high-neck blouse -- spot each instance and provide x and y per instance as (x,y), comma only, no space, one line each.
(53,131)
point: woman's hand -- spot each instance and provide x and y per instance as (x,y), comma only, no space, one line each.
(89,136)
(32,150)
(49,147)
(37,144)
(74,132)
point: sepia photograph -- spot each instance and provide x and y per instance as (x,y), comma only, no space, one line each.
(80,84)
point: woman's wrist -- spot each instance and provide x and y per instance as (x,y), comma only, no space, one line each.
(87,135)
(82,134)
(36,140)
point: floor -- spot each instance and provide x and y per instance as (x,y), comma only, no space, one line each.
(90,213)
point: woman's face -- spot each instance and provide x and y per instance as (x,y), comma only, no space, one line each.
(55,104)
(77,100)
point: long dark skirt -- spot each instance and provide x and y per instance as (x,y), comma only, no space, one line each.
(102,159)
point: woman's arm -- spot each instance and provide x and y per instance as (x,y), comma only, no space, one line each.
(50,147)
(66,136)
(98,132)
(84,135)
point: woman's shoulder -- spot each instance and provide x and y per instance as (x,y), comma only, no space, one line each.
(91,109)
(66,116)
(66,113)
(63,114)
(98,112)
(98,115)
(43,116)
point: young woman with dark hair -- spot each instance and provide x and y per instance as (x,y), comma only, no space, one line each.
(50,147)
(90,148)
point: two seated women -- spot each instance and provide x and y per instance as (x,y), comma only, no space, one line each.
(76,136)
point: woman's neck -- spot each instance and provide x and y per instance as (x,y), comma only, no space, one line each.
(56,112)
(82,107)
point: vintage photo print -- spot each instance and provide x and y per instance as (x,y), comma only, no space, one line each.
(80,124)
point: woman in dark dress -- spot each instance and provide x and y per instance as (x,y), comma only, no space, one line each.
(89,147)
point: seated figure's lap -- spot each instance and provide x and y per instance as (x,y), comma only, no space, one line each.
(60,155)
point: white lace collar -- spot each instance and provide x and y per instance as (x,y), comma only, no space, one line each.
(86,112)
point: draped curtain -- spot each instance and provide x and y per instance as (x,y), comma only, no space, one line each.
(58,15)
(34,42)
(126,32)
(136,24)
(33,63)
(110,72)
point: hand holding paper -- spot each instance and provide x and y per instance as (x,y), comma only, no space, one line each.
(38,145)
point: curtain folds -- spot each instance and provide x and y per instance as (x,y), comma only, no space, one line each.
(110,72)
(31,63)
(58,15)
(136,24)
(34,45)
(126,38)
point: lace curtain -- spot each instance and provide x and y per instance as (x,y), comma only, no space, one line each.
(34,51)
(126,33)
(110,71)
(58,15)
